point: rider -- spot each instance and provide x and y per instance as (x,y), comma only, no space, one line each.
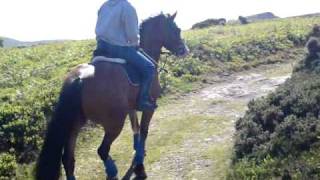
(117,35)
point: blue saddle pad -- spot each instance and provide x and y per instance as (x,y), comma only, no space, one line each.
(134,77)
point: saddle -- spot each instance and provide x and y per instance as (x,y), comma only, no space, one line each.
(133,75)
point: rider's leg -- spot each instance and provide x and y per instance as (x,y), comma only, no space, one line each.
(147,68)
(140,62)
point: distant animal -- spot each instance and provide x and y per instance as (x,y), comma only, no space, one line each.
(101,92)
(209,22)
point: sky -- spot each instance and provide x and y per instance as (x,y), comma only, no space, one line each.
(32,20)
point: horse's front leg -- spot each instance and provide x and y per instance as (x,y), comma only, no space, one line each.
(140,145)
(135,128)
(136,139)
(140,134)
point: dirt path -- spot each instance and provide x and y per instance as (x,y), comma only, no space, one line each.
(190,138)
(205,154)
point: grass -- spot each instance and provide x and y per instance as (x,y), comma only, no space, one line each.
(260,31)
(236,48)
(168,137)
(220,153)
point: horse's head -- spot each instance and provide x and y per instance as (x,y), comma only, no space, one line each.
(161,31)
(172,37)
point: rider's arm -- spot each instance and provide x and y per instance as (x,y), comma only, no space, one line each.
(131,24)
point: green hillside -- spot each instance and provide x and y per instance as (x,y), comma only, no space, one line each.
(31,77)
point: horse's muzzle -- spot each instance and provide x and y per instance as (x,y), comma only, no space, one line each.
(183,50)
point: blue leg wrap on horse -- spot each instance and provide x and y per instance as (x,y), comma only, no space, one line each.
(111,168)
(71,178)
(139,157)
(136,139)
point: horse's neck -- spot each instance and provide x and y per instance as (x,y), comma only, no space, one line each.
(152,50)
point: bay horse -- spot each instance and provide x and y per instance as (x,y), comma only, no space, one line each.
(101,92)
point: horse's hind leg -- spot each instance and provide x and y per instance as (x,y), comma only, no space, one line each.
(68,151)
(112,130)
(103,151)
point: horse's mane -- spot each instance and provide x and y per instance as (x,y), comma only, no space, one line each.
(151,19)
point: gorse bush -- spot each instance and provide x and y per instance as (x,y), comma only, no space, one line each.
(283,129)
(290,114)
(7,166)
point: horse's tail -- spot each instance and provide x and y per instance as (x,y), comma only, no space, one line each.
(65,115)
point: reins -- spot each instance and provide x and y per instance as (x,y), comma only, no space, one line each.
(163,68)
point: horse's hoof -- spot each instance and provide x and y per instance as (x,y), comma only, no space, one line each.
(140,172)
(139,178)
(71,178)
(113,178)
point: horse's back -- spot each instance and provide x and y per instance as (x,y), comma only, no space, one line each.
(107,91)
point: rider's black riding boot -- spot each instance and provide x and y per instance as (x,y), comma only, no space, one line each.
(144,102)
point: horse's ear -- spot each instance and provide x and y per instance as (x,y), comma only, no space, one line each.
(173,16)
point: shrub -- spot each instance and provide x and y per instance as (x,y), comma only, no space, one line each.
(209,22)
(243,20)
(283,124)
(8,166)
